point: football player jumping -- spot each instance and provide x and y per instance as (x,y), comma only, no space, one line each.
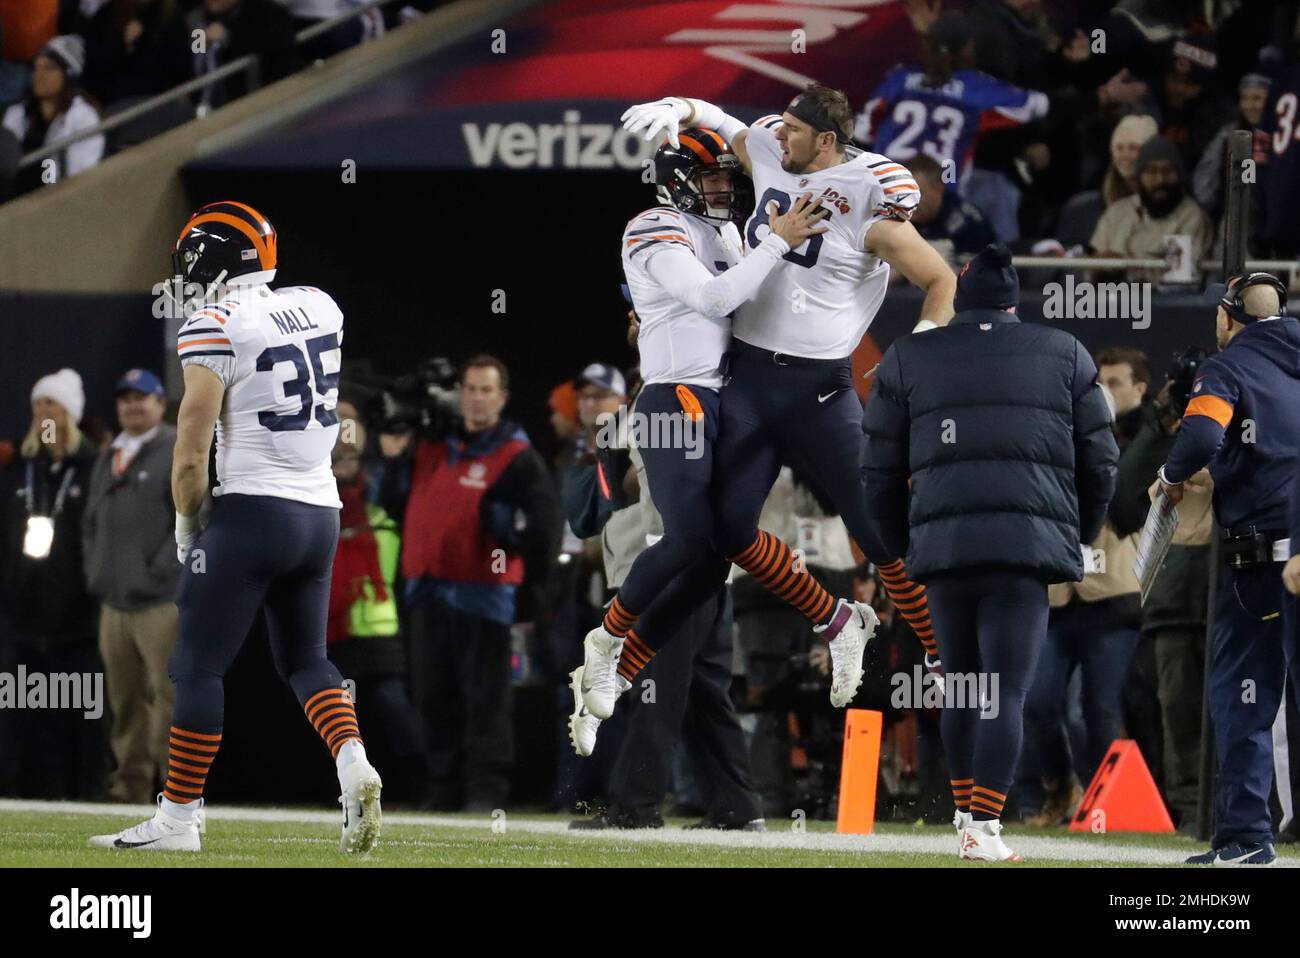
(686,273)
(262,367)
(788,390)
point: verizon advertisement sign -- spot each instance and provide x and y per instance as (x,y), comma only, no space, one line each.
(570,144)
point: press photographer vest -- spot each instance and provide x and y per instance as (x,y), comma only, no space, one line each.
(444,535)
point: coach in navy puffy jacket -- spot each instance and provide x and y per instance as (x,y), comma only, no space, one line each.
(1005,436)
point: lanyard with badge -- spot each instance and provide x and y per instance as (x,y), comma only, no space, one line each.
(39,535)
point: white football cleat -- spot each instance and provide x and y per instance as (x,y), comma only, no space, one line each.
(848,647)
(362,815)
(600,682)
(960,820)
(162,833)
(981,841)
(582,724)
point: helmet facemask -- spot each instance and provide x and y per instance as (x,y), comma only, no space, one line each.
(704,189)
(194,289)
(716,189)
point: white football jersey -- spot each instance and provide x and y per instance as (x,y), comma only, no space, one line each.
(278,353)
(676,343)
(820,301)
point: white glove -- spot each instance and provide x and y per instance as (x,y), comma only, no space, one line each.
(187,530)
(662,116)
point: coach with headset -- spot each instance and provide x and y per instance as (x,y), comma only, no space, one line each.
(1243,422)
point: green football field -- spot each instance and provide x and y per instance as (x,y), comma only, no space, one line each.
(34,834)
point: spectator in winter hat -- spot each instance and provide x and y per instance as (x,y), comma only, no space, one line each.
(54,111)
(1138,226)
(50,615)
(1125,141)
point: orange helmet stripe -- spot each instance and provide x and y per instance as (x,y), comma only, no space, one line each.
(696,147)
(722,144)
(265,252)
(262,221)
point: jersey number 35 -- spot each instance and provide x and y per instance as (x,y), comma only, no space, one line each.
(302,385)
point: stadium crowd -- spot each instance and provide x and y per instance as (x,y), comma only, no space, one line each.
(66,64)
(1047,145)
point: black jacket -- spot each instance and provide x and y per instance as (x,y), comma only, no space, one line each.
(47,599)
(1178,595)
(1006,438)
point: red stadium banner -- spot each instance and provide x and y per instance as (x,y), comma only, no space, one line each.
(552,99)
(749,53)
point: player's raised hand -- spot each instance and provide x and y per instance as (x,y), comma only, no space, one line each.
(662,116)
(805,218)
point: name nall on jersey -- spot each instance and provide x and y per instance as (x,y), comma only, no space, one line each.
(286,323)
(83,691)
(74,912)
(278,352)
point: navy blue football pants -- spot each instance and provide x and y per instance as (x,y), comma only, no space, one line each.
(779,410)
(991,627)
(678,452)
(772,411)
(256,552)
(1254,647)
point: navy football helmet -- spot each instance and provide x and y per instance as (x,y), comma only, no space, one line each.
(678,170)
(222,241)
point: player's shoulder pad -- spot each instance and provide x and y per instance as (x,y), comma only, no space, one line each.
(655,226)
(209,331)
(769,123)
(896,193)
(318,297)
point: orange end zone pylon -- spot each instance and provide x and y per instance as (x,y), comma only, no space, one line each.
(858,772)
(1122,796)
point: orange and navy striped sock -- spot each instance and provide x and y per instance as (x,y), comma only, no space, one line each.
(910,601)
(636,656)
(332,714)
(986,804)
(618,620)
(773,566)
(189,757)
(961,793)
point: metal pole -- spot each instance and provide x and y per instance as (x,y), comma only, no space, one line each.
(1236,227)
(1205,796)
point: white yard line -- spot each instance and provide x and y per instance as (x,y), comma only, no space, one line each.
(933,841)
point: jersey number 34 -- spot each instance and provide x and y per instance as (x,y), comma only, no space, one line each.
(302,385)
(806,259)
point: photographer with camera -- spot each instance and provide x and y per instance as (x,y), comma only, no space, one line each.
(479,516)
(1174,613)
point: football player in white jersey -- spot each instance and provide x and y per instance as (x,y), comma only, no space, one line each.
(686,275)
(261,366)
(788,392)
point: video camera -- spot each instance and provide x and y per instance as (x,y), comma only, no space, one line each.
(425,401)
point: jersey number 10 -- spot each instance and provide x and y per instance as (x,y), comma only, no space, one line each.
(302,385)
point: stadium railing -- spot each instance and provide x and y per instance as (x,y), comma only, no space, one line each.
(249,65)
(1107,263)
